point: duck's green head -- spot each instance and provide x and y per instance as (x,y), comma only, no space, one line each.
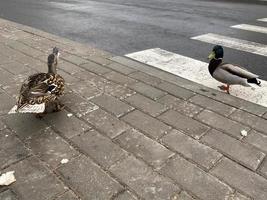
(217,53)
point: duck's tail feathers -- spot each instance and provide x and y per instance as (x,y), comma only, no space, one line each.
(255,81)
(36,108)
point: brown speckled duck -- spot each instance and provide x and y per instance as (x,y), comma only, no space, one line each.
(229,74)
(41,89)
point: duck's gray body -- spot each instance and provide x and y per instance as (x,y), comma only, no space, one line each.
(232,75)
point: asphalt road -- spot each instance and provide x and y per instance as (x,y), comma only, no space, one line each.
(125,26)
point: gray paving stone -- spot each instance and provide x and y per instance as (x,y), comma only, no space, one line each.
(255,122)
(2,125)
(70,68)
(8,51)
(36,66)
(212,105)
(147,90)
(24,48)
(193,179)
(74,59)
(6,103)
(15,68)
(184,196)
(184,123)
(219,122)
(238,196)
(8,195)
(99,59)
(257,139)
(121,68)
(89,80)
(265,116)
(146,78)
(263,168)
(106,123)
(69,79)
(235,149)
(12,91)
(25,125)
(141,146)
(149,125)
(119,91)
(67,126)
(240,103)
(95,68)
(100,148)
(21,35)
(51,148)
(119,78)
(184,107)
(11,149)
(78,105)
(68,196)
(143,180)
(97,81)
(112,105)
(201,154)
(126,196)
(241,178)
(6,78)
(128,62)
(34,181)
(176,90)
(88,180)
(146,105)
(5,59)
(85,75)
(86,89)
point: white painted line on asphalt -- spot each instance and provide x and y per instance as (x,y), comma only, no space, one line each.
(234,43)
(248,27)
(262,20)
(196,71)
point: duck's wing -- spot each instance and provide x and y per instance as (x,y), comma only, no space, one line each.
(36,89)
(237,71)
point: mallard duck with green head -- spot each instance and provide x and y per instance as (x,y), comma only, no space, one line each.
(227,73)
(41,89)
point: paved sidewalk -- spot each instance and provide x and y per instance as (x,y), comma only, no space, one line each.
(136,132)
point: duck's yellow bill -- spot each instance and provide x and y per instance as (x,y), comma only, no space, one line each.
(212,55)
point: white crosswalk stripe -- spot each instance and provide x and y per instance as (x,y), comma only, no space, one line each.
(234,43)
(196,71)
(262,20)
(248,27)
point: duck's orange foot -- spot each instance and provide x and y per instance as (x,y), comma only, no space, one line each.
(225,88)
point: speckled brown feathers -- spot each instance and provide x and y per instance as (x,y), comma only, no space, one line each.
(41,88)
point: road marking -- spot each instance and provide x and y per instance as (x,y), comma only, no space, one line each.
(262,20)
(196,71)
(248,27)
(234,43)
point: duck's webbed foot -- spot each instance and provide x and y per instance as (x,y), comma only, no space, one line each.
(225,88)
(58,106)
